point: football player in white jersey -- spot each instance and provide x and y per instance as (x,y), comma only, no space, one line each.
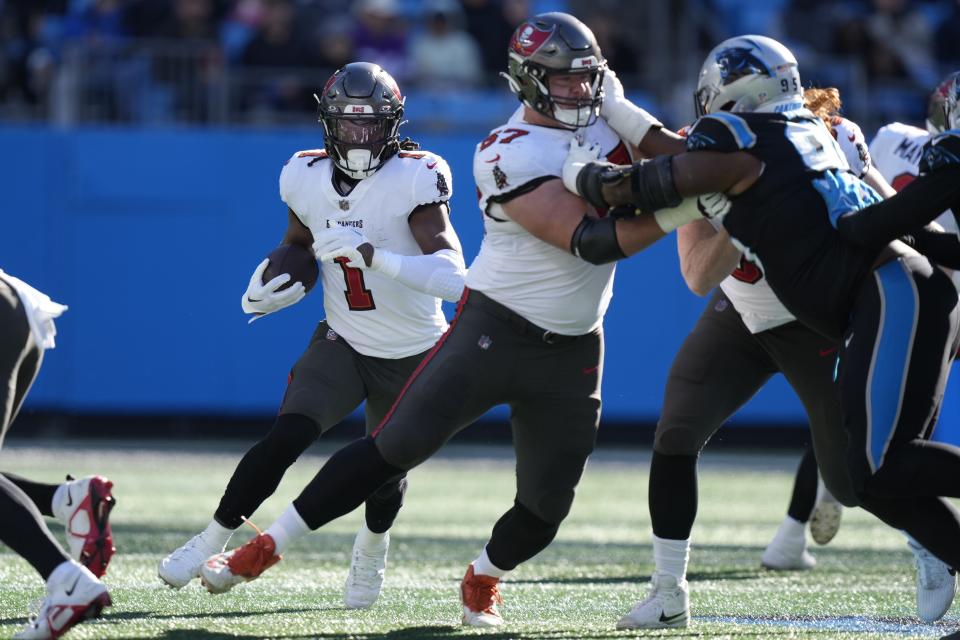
(528,330)
(74,592)
(374,210)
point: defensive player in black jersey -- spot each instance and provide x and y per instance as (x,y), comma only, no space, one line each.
(826,245)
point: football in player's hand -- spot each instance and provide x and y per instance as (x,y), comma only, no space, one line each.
(296,260)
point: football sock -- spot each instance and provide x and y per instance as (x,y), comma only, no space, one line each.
(384,505)
(344,482)
(217,534)
(370,541)
(287,528)
(517,536)
(671,557)
(804,497)
(25,532)
(42,494)
(483,566)
(672,495)
(260,470)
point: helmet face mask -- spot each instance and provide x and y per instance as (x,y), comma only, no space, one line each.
(943,107)
(746,73)
(554,49)
(361,110)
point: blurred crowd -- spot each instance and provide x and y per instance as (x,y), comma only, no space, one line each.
(154,60)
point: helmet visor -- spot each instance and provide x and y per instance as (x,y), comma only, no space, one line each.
(360,133)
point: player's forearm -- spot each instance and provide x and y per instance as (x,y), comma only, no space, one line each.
(706,260)
(942,247)
(439,274)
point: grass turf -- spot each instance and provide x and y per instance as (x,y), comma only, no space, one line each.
(599,565)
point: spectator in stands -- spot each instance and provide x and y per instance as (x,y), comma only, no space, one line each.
(444,55)
(380,37)
(619,52)
(487,22)
(99,21)
(277,44)
(335,45)
(947,37)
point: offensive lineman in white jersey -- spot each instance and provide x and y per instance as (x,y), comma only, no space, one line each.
(528,335)
(388,202)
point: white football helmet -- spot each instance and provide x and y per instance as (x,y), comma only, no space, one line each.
(745,73)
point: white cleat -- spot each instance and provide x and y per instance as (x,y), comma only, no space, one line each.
(73,595)
(788,549)
(825,519)
(224,571)
(366,574)
(936,584)
(480,595)
(83,507)
(667,606)
(183,565)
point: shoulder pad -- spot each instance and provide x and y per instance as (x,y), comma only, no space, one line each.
(942,150)
(724,132)
(432,180)
(513,157)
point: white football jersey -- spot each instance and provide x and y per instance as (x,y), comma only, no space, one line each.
(747,288)
(896,151)
(39,308)
(546,285)
(375,314)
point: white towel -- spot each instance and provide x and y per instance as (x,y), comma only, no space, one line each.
(40,309)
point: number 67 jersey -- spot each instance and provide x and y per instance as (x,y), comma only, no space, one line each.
(375,314)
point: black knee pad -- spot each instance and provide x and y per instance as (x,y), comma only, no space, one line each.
(290,436)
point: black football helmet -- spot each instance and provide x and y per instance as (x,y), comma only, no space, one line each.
(555,43)
(361,110)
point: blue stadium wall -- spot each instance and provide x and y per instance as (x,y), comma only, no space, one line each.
(150,237)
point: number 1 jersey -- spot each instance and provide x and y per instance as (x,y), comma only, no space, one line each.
(375,314)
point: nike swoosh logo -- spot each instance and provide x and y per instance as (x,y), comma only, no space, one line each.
(851,137)
(249,299)
(665,618)
(825,352)
(69,591)
(431,165)
(493,159)
(69,498)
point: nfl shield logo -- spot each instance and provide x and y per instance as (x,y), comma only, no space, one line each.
(331,334)
(344,205)
(485,342)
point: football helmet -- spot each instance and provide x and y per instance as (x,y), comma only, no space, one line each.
(556,44)
(361,110)
(943,107)
(746,73)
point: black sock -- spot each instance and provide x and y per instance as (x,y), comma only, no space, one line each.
(933,522)
(384,505)
(347,479)
(518,536)
(260,470)
(672,495)
(40,493)
(24,530)
(804,496)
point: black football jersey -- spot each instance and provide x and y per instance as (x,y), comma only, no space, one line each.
(786,221)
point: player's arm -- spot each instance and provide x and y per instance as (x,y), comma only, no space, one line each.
(297,232)
(706,256)
(634,125)
(440,270)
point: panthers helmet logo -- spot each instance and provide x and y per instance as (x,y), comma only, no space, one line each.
(737,62)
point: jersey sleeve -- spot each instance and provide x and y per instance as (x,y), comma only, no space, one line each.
(432,180)
(724,132)
(853,144)
(940,152)
(291,176)
(511,167)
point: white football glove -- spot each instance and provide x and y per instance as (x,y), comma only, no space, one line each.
(578,156)
(340,242)
(713,206)
(262,298)
(629,121)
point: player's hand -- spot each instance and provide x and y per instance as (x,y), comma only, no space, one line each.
(629,121)
(713,206)
(343,242)
(262,298)
(577,158)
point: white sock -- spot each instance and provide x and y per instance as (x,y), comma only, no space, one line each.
(370,541)
(792,531)
(287,528)
(217,534)
(484,567)
(671,557)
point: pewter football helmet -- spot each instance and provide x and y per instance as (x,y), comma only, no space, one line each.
(943,107)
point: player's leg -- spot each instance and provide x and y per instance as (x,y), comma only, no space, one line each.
(384,379)
(893,371)
(555,415)
(324,387)
(718,368)
(456,383)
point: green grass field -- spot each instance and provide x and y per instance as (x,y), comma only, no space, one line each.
(599,565)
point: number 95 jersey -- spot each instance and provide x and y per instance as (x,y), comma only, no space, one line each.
(375,314)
